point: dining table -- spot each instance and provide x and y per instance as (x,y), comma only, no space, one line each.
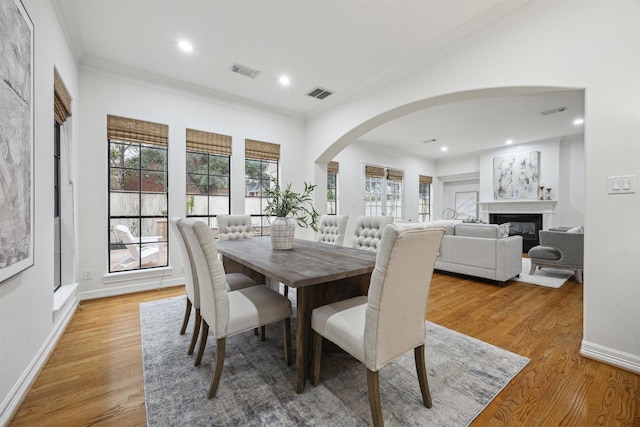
(320,273)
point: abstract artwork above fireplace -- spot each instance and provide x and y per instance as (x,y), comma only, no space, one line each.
(516,175)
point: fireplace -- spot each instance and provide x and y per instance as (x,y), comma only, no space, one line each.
(525,225)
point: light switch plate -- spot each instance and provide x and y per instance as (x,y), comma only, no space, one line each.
(625,184)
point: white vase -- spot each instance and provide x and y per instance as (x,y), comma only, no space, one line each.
(282,231)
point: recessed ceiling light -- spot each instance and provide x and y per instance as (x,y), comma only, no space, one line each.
(443,148)
(185,46)
(578,121)
(509,141)
(285,81)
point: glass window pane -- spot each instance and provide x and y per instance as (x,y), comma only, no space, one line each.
(196,162)
(153,158)
(219,165)
(124,204)
(218,185)
(154,182)
(197,183)
(153,204)
(252,169)
(200,206)
(218,205)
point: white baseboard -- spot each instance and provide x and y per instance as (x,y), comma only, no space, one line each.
(630,362)
(62,315)
(129,289)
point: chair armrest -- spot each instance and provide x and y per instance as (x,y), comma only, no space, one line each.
(571,246)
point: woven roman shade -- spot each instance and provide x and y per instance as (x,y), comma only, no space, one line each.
(333,167)
(373,172)
(61,99)
(208,142)
(123,129)
(394,175)
(261,150)
(425,179)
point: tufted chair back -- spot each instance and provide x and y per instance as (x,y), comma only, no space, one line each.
(234,227)
(331,229)
(368,231)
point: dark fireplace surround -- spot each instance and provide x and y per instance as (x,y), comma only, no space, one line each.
(525,225)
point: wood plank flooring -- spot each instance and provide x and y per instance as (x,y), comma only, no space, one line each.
(94,376)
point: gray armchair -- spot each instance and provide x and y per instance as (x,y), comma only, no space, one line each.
(559,249)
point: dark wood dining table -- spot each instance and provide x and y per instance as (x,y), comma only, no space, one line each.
(320,273)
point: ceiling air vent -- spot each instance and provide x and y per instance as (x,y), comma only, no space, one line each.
(319,93)
(245,71)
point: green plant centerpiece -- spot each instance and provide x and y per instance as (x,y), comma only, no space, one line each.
(289,208)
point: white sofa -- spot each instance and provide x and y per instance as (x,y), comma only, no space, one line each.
(479,250)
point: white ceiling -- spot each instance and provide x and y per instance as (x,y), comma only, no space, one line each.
(345,46)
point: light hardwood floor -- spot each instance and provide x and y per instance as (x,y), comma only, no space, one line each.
(94,376)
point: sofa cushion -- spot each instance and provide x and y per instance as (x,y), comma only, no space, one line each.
(503,230)
(576,230)
(488,231)
(545,252)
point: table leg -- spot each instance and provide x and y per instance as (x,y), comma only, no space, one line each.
(303,327)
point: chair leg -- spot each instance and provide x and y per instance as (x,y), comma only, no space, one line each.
(204,332)
(533,268)
(421,369)
(317,354)
(221,349)
(286,291)
(263,332)
(373,387)
(187,314)
(196,331)
(288,359)
(579,276)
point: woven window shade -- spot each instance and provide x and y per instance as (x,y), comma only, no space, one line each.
(373,172)
(208,142)
(261,150)
(425,179)
(394,175)
(333,167)
(61,99)
(123,129)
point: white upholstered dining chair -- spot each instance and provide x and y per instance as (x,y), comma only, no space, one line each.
(229,313)
(233,227)
(234,281)
(331,229)
(368,231)
(390,320)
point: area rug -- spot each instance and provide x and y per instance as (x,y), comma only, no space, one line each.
(549,277)
(257,388)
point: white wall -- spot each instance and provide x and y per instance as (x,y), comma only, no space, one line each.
(106,93)
(351,180)
(28,327)
(590,45)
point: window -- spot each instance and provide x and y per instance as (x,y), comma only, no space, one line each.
(138,194)
(261,169)
(61,112)
(332,188)
(383,192)
(424,198)
(208,176)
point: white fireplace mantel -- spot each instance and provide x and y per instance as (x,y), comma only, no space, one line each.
(544,207)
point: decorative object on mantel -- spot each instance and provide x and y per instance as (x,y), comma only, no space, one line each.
(545,192)
(467,204)
(516,175)
(449,213)
(289,208)
(473,220)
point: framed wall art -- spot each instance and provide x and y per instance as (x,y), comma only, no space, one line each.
(516,176)
(16,139)
(467,204)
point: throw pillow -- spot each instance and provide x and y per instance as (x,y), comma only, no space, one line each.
(503,230)
(576,230)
